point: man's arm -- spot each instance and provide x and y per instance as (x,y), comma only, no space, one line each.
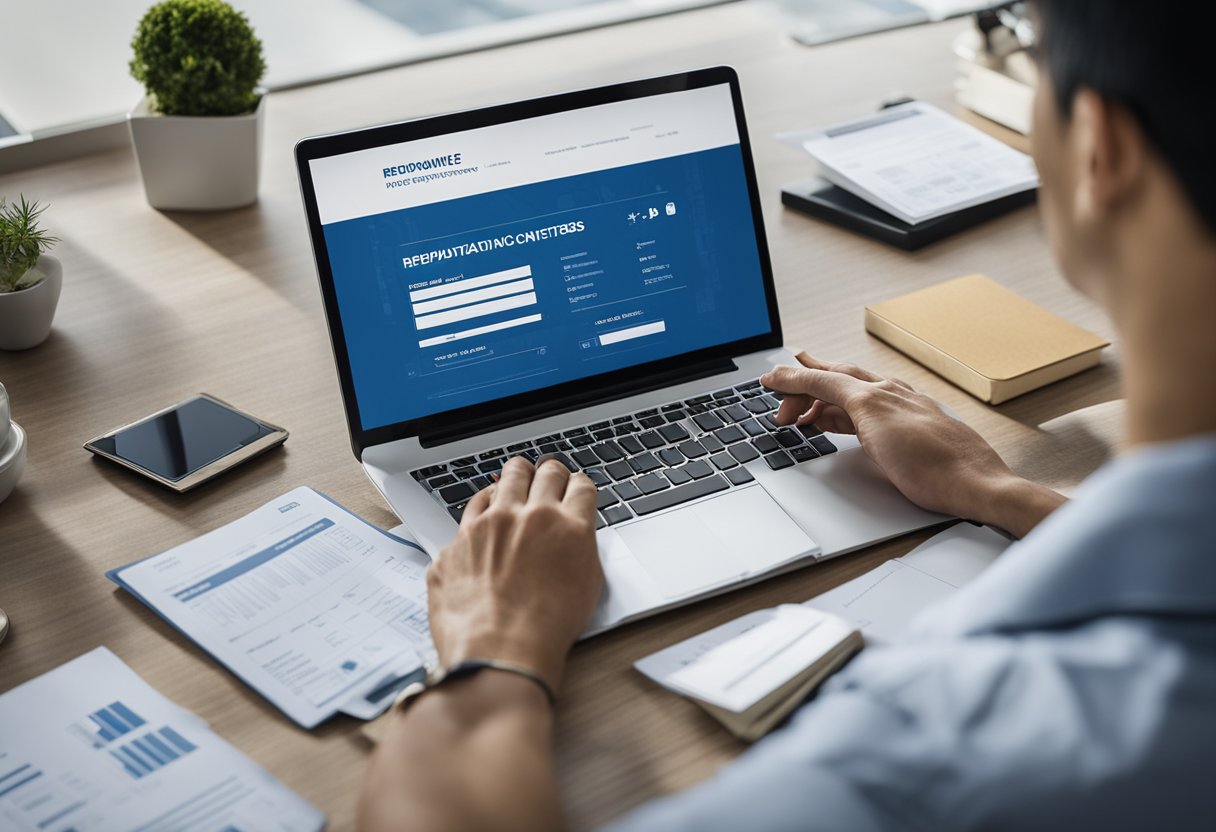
(519,584)
(938,462)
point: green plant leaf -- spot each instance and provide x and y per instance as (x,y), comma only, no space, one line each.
(22,242)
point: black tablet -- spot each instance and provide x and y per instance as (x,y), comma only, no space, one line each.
(189,443)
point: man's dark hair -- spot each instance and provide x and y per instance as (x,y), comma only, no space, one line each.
(1155,59)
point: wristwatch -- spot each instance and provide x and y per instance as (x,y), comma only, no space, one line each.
(468,667)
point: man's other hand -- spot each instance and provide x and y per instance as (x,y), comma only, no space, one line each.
(936,461)
(522,578)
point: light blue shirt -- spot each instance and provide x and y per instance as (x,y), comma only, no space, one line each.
(1071,686)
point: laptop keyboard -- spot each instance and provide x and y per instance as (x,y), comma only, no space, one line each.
(653,459)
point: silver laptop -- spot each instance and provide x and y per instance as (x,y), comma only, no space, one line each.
(584,275)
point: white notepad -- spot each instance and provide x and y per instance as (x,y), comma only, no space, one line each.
(917,162)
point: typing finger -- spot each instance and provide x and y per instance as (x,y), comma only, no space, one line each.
(514,481)
(834,388)
(809,361)
(479,503)
(580,495)
(792,407)
(550,481)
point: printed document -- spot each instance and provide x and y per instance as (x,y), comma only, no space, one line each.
(91,746)
(314,608)
(917,162)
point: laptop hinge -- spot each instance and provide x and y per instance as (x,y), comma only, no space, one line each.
(553,407)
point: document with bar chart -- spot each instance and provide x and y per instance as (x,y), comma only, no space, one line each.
(91,746)
(483,264)
(308,604)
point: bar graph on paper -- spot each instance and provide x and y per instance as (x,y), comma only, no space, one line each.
(133,745)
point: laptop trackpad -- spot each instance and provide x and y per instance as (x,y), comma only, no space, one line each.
(734,536)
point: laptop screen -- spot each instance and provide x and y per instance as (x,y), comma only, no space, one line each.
(477,265)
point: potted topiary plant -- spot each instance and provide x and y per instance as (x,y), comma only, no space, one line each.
(197,132)
(30,279)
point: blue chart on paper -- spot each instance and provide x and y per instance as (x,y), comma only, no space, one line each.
(124,734)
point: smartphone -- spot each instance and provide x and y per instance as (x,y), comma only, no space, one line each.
(186,445)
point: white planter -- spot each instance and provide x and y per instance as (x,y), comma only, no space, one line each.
(197,163)
(26,316)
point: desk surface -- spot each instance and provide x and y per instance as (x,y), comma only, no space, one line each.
(157,306)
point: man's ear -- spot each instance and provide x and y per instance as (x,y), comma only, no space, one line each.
(1109,150)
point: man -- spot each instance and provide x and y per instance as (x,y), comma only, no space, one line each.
(1071,686)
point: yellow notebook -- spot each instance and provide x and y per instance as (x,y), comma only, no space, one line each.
(979,335)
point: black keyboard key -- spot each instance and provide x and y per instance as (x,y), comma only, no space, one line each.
(651,483)
(627,428)
(773,400)
(788,438)
(429,471)
(555,447)
(581,441)
(809,430)
(484,455)
(748,385)
(620,420)
(765,444)
(440,481)
(739,476)
(723,461)
(673,433)
(644,463)
(708,421)
(668,408)
(573,432)
(711,444)
(518,447)
(465,461)
(619,470)
(627,491)
(751,394)
(676,415)
(598,477)
(655,421)
(606,497)
(803,454)
(752,428)
(465,473)
(727,400)
(757,406)
(457,493)
(694,409)
(692,449)
(632,445)
(823,445)
(603,435)
(616,514)
(677,476)
(490,467)
(697,400)
(597,426)
(608,451)
(744,452)
(585,459)
(679,494)
(724,394)
(651,440)
(779,460)
(531,454)
(728,434)
(769,422)
(599,521)
(697,469)
(457,511)
(545,440)
(481,482)
(736,413)
(642,414)
(564,460)
(671,457)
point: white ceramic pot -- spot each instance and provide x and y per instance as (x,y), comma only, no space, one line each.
(197,163)
(26,315)
(6,414)
(12,459)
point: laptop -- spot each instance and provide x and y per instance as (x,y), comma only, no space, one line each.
(584,275)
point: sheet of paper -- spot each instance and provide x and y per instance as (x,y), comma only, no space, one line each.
(311,606)
(917,162)
(91,746)
(740,672)
(882,602)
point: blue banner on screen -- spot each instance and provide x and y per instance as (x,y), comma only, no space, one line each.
(452,302)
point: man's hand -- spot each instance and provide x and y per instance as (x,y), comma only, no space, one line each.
(522,577)
(936,461)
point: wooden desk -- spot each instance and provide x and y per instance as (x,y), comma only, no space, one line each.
(159,306)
